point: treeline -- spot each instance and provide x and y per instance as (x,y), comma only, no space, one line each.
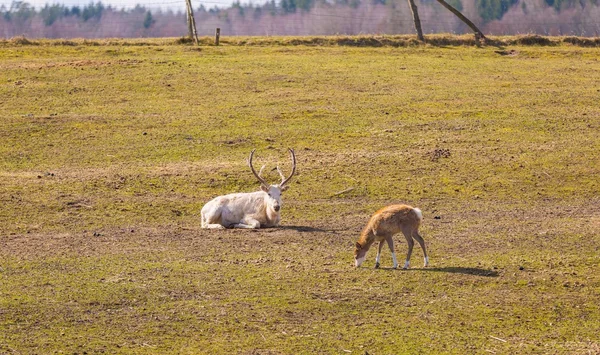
(21,11)
(303,17)
(94,20)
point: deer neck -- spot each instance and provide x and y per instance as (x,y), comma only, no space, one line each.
(367,238)
(273,217)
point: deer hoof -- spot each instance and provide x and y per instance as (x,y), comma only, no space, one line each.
(377,265)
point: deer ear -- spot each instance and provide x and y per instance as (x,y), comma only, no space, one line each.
(264,188)
(284,187)
(358,246)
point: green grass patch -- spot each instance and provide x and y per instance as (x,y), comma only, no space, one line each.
(109,149)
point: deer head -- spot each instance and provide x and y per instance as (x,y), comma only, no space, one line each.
(273,191)
(360,254)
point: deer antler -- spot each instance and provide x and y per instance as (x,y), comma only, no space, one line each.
(280,174)
(262,168)
(284,180)
(261,180)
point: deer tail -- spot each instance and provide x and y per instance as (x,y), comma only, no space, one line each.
(418,213)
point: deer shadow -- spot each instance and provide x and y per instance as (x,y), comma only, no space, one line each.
(306,229)
(454,270)
(475,271)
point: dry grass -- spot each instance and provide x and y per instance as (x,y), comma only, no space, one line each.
(436,40)
(109,151)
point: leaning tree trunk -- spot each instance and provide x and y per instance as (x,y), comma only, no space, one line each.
(478,34)
(191,22)
(415,13)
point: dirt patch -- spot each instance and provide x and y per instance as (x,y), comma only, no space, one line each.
(451,231)
(439,153)
(74,64)
(510,53)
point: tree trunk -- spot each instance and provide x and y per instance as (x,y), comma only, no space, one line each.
(415,13)
(191,22)
(478,34)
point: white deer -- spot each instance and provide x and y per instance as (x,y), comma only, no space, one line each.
(250,209)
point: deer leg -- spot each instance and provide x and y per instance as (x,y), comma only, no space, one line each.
(378,257)
(390,242)
(421,242)
(248,223)
(213,226)
(411,244)
(210,217)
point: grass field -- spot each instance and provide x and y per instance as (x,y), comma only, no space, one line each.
(108,152)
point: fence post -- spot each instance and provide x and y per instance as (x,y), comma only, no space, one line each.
(217,36)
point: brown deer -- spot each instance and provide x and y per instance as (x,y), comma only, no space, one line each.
(383,225)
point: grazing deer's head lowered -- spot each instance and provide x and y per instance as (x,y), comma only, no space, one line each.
(249,210)
(381,228)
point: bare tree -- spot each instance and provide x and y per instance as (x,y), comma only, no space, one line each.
(191,22)
(415,13)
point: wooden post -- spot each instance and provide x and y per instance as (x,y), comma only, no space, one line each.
(191,22)
(217,36)
(478,34)
(415,13)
